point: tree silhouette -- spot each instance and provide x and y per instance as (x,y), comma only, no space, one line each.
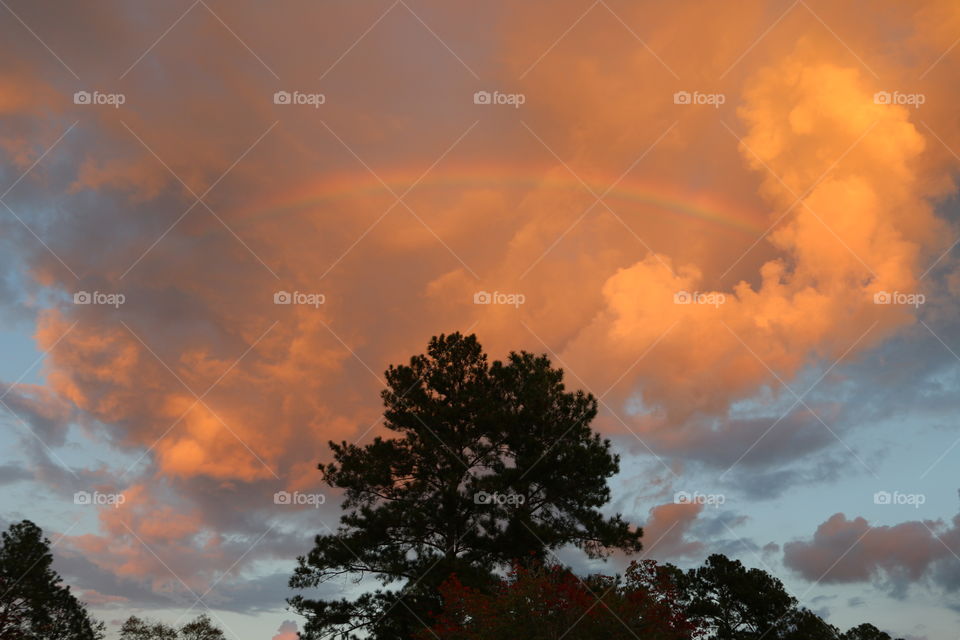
(866,631)
(492,463)
(731,602)
(735,602)
(200,628)
(721,600)
(135,628)
(34,605)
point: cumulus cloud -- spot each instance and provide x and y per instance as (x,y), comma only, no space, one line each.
(846,550)
(229,397)
(287,631)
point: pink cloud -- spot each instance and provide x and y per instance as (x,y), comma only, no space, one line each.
(665,531)
(843,550)
(287,631)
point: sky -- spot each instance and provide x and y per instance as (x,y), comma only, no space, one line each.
(733,223)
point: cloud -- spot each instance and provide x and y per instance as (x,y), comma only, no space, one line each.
(287,631)
(666,528)
(94,598)
(845,240)
(12,472)
(851,550)
(228,397)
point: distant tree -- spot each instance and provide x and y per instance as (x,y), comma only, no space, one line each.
(734,602)
(135,628)
(802,624)
(200,628)
(866,631)
(548,603)
(491,463)
(731,602)
(34,605)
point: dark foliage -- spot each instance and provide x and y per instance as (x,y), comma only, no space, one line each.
(34,604)
(491,463)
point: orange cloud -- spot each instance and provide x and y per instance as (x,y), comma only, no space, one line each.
(666,528)
(296,204)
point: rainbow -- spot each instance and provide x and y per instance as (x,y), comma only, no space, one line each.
(706,208)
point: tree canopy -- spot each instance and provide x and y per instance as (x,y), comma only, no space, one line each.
(720,600)
(729,601)
(551,602)
(34,604)
(492,463)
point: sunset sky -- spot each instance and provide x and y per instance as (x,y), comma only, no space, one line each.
(733,223)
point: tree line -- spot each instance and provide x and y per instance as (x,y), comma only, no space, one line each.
(493,468)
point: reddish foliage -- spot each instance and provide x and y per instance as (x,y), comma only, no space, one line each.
(549,603)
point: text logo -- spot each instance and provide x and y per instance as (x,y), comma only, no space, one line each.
(485,297)
(482,497)
(297,498)
(895,97)
(298,97)
(712,99)
(98,98)
(712,298)
(896,297)
(512,99)
(709,499)
(99,499)
(897,498)
(97,297)
(298,297)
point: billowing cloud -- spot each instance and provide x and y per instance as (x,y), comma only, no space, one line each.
(851,550)
(845,240)
(666,529)
(399,199)
(287,631)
